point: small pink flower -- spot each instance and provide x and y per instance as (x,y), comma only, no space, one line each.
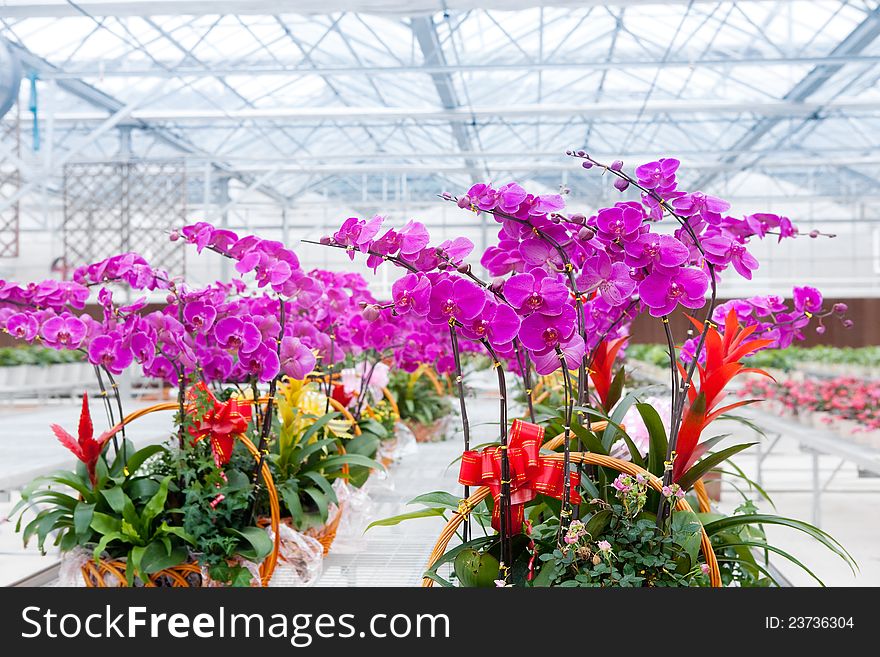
(605,546)
(705,568)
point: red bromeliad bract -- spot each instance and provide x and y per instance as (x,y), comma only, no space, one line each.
(85,446)
(722,364)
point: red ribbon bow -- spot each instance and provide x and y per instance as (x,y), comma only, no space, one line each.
(221,423)
(530,473)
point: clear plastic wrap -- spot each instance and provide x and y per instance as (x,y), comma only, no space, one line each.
(70,571)
(357,510)
(300,559)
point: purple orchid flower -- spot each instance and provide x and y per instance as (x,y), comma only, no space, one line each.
(217,367)
(659,175)
(456,250)
(662,292)
(539,333)
(412,293)
(536,252)
(807,299)
(722,250)
(262,363)
(199,316)
(110,352)
(698,203)
(612,280)
(297,360)
(143,347)
(22,326)
(651,248)
(63,332)
(536,291)
(620,223)
(235,333)
(548,361)
(459,299)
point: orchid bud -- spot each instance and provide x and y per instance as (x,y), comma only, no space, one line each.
(464,202)
(820,329)
(582,154)
(578,219)
(617,165)
(326,240)
(170,299)
(621,184)
(174,236)
(371,312)
(847,323)
(586,164)
(814,233)
(586,234)
(497,284)
(464,269)
(840,308)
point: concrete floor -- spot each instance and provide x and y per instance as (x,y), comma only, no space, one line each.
(395,556)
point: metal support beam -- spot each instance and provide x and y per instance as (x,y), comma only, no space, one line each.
(859,39)
(61,8)
(429,43)
(107,103)
(776,109)
(100,70)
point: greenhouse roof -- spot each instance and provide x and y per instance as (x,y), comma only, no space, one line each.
(292,96)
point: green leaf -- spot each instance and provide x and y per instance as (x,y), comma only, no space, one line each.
(259,545)
(689,478)
(136,460)
(687,533)
(165,529)
(321,482)
(598,523)
(317,426)
(780,552)
(289,492)
(156,557)
(437,499)
(609,436)
(616,388)
(336,462)
(657,435)
(547,574)
(105,524)
(82,518)
(412,515)
(106,539)
(320,500)
(308,450)
(737,521)
(155,506)
(589,439)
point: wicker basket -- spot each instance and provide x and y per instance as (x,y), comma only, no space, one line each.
(576,457)
(111,572)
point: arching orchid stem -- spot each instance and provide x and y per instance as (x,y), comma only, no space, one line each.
(465,425)
(118,399)
(344,247)
(682,394)
(663,509)
(366,377)
(262,447)
(108,407)
(506,522)
(565,511)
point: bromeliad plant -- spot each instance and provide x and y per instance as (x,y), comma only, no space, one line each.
(109,506)
(564,289)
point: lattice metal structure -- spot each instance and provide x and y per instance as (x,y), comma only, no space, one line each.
(116,207)
(10,182)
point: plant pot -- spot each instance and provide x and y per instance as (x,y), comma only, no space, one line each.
(110,573)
